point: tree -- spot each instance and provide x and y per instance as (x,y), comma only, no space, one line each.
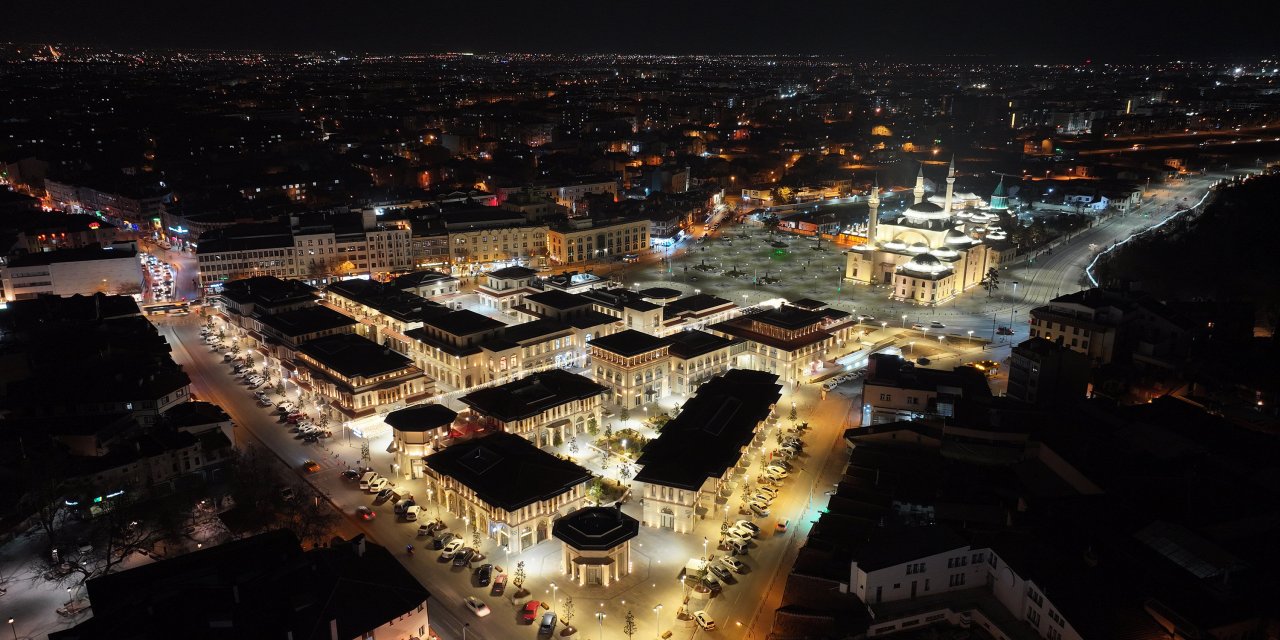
(573,444)
(792,416)
(595,490)
(629,624)
(566,610)
(593,429)
(771,224)
(475,538)
(991,281)
(309,518)
(518,579)
(625,414)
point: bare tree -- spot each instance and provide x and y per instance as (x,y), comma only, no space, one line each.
(629,624)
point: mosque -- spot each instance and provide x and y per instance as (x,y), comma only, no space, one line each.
(934,250)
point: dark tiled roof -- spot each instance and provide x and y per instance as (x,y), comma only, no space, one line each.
(463,323)
(83,254)
(689,344)
(531,395)
(512,273)
(507,471)
(307,320)
(903,545)
(268,290)
(264,586)
(596,528)
(352,355)
(661,293)
(707,438)
(629,343)
(694,304)
(422,417)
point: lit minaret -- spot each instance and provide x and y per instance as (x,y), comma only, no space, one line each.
(919,190)
(873,216)
(951,186)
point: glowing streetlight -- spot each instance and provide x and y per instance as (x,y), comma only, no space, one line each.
(600,623)
(884,325)
(904,321)
(555,602)
(704,548)
(970,337)
(657,625)
(913,347)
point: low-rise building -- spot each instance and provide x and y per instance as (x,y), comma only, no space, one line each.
(488,239)
(67,272)
(596,544)
(545,408)
(791,341)
(358,377)
(1047,374)
(584,239)
(895,390)
(505,487)
(386,314)
(686,471)
(633,365)
(264,586)
(506,288)
(417,432)
(1114,326)
(698,356)
(428,284)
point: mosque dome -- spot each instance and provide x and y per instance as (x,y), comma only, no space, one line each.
(925,264)
(918,247)
(957,237)
(895,245)
(926,210)
(945,252)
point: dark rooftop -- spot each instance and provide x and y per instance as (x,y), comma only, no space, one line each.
(82,254)
(513,273)
(689,344)
(507,471)
(531,395)
(708,436)
(463,323)
(422,417)
(354,356)
(596,528)
(557,299)
(297,322)
(628,343)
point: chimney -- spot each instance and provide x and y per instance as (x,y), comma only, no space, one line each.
(617,509)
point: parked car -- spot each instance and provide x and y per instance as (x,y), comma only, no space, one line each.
(917,326)
(384,495)
(720,572)
(762,499)
(733,564)
(499,584)
(451,549)
(444,540)
(484,575)
(463,557)
(937,325)
(758,511)
(548,625)
(263,402)
(378,484)
(748,526)
(705,621)
(529,612)
(923,360)
(477,607)
(1004,331)
(350,475)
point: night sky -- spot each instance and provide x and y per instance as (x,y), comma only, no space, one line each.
(1027,30)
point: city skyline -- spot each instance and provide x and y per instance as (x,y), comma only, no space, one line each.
(995,31)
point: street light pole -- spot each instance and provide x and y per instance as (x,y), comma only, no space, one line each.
(13,629)
(657,624)
(600,624)
(555,602)
(465,626)
(904,321)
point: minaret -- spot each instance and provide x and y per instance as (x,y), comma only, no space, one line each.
(873,216)
(919,190)
(951,185)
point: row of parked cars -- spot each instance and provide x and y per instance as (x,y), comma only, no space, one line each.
(843,378)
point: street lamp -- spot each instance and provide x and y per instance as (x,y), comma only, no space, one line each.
(913,347)
(464,630)
(555,602)
(600,624)
(657,625)
(970,337)
(940,339)
(884,325)
(13,629)
(704,547)
(904,321)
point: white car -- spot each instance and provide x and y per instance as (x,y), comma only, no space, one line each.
(760,497)
(286,407)
(704,620)
(772,492)
(733,564)
(477,607)
(776,473)
(747,525)
(450,550)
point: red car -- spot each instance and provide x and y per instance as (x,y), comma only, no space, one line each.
(530,611)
